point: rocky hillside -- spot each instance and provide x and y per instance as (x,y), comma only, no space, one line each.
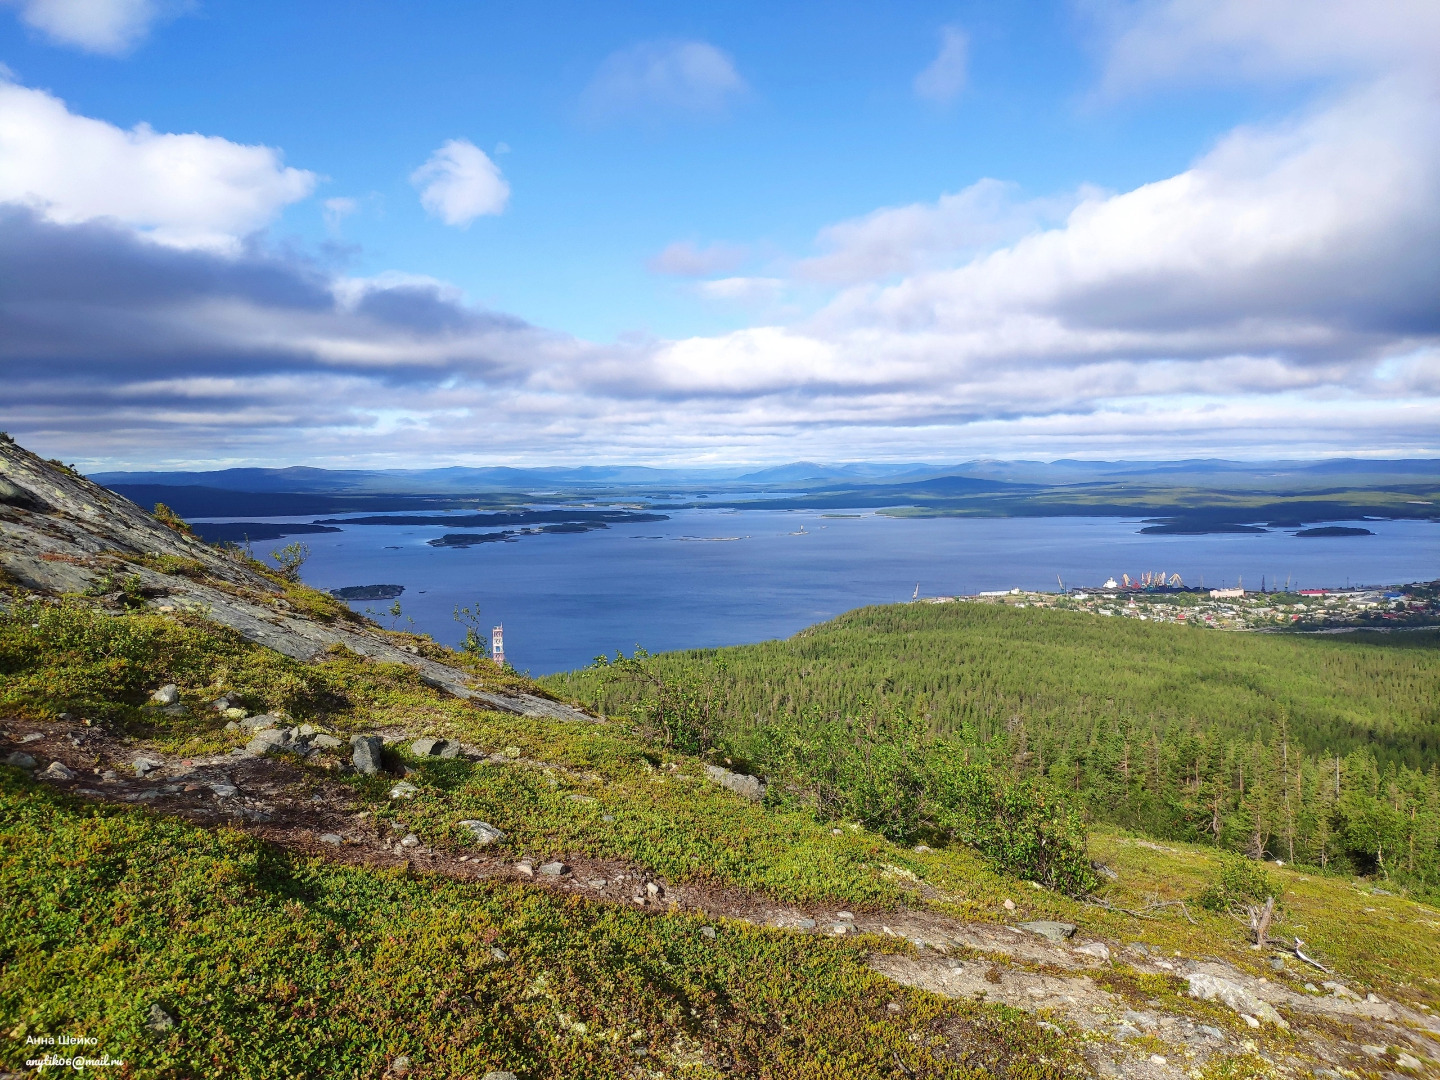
(60,533)
(245,833)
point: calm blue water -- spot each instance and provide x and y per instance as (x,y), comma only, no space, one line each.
(563,599)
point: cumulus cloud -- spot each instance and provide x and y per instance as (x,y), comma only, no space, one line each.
(183,190)
(460,183)
(685,259)
(99,26)
(655,79)
(944,77)
(1275,296)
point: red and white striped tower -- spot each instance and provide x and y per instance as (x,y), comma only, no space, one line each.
(497,645)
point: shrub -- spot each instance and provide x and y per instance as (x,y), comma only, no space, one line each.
(171,520)
(1240,882)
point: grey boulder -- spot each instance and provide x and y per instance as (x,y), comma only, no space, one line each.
(258,723)
(168,694)
(366,755)
(441,748)
(325,742)
(20,760)
(483,832)
(145,766)
(749,787)
(57,771)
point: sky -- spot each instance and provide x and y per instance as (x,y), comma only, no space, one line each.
(366,235)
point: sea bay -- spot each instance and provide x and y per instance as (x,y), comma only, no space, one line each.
(707,578)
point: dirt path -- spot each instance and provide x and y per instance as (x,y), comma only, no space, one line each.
(1087,985)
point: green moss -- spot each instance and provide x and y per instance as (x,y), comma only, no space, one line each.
(274,966)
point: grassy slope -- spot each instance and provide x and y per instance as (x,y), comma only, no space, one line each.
(282,966)
(983,665)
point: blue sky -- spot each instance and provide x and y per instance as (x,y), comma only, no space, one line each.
(744,232)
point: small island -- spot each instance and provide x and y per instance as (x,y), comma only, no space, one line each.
(1335,530)
(368,592)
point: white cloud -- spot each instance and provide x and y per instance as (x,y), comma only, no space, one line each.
(100,26)
(944,77)
(658,78)
(337,209)
(904,239)
(1166,41)
(685,259)
(460,183)
(184,190)
(742,290)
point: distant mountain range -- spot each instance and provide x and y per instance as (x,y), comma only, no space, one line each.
(653,482)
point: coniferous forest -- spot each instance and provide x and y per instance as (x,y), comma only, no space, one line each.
(1320,750)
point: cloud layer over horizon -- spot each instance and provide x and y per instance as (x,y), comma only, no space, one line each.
(1278,296)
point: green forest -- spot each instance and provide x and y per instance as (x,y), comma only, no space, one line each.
(1318,750)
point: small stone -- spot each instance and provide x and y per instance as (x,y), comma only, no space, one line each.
(334,839)
(1126,1031)
(1250,1020)
(1211,1032)
(168,694)
(748,787)
(441,748)
(1371,1050)
(366,756)
(837,832)
(654,888)
(1408,1061)
(1009,905)
(498,953)
(806,924)
(223,790)
(708,933)
(145,766)
(500,1074)
(554,869)
(232,726)
(1312,988)
(1058,932)
(483,832)
(267,742)
(399,1067)
(1098,949)
(597,883)
(159,1020)
(1277,963)
(1372,999)
(844,915)
(257,723)
(1157,1059)
(20,760)
(410,840)
(403,790)
(34,736)
(325,742)
(841,928)
(524,869)
(609,819)
(57,771)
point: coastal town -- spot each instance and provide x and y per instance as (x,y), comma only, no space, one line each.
(1151,597)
